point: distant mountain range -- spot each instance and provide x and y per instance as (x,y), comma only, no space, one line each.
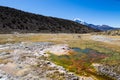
(98,27)
(13,20)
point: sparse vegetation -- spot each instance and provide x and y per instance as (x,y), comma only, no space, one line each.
(100,52)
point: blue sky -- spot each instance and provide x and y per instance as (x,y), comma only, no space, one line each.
(91,11)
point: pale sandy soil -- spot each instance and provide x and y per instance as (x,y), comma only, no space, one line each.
(107,39)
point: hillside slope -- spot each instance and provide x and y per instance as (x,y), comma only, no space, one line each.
(12,20)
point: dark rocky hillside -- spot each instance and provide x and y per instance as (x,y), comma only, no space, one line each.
(12,20)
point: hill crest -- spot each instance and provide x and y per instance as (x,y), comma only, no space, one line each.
(13,20)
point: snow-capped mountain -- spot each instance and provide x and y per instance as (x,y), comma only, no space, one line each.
(80,21)
(99,27)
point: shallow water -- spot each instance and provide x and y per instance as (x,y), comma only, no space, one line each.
(87,50)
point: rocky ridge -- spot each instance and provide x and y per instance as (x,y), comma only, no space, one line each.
(17,21)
